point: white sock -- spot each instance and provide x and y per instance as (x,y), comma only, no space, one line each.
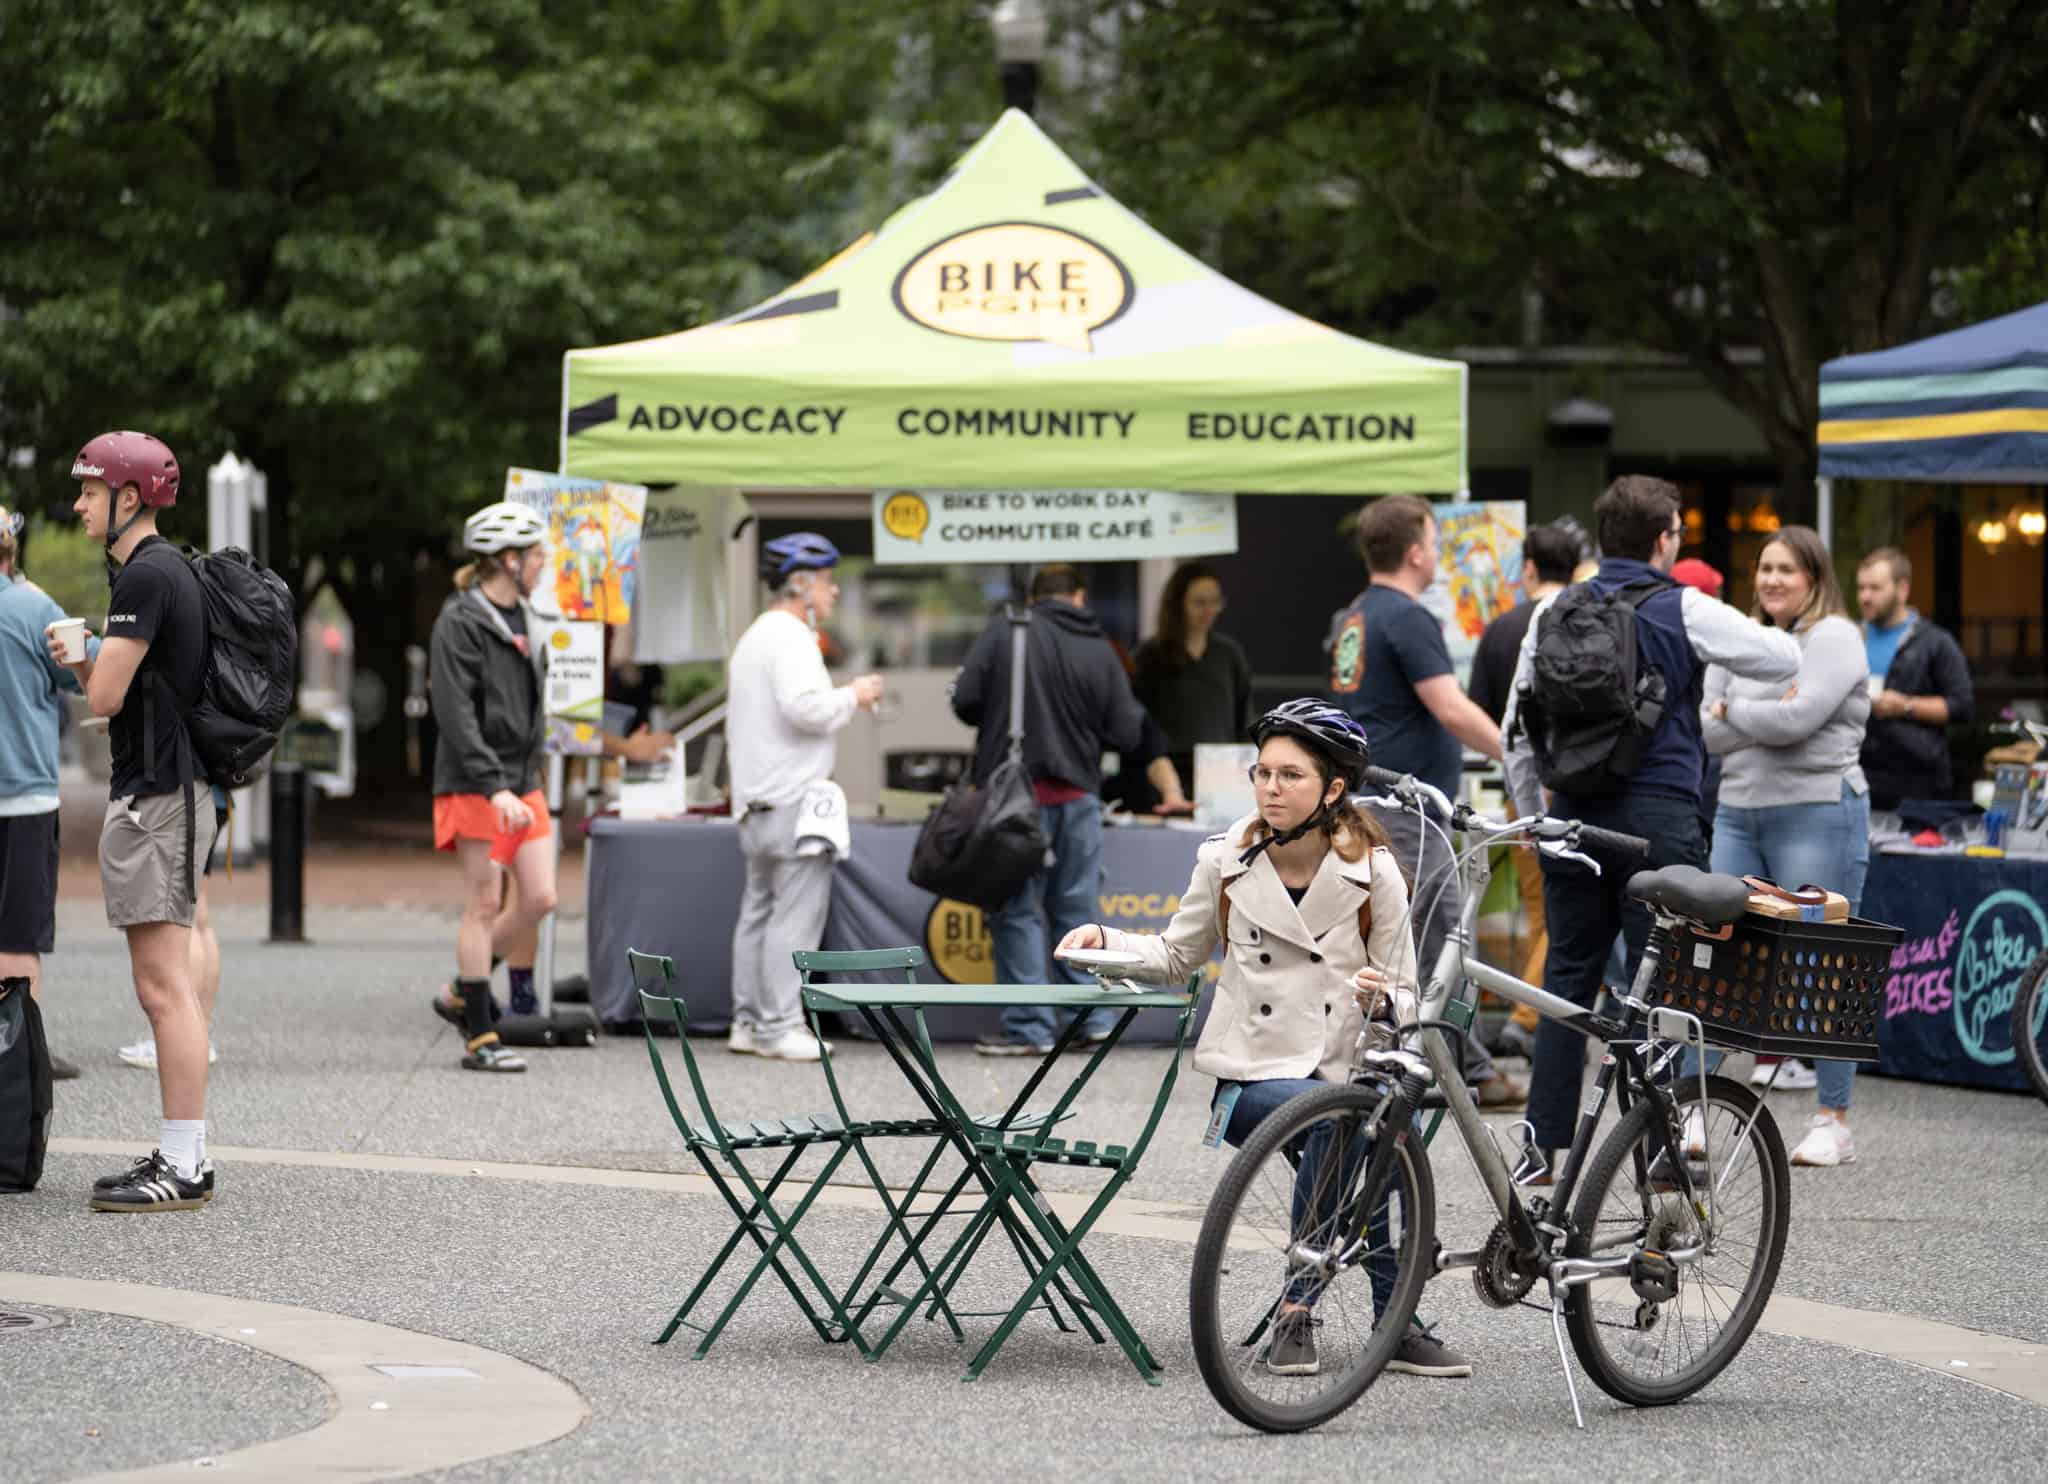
(183,1144)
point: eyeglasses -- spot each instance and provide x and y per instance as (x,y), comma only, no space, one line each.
(1262,775)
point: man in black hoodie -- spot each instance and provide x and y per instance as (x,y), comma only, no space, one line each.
(1077,705)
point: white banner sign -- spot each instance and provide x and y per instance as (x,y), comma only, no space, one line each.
(932,526)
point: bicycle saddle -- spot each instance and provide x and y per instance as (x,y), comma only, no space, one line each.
(1687,891)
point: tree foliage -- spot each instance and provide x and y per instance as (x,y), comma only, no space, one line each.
(1789,176)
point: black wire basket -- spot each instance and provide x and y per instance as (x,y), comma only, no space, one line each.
(1781,986)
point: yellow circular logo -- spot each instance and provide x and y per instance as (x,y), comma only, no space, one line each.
(959,944)
(905,515)
(559,639)
(1015,281)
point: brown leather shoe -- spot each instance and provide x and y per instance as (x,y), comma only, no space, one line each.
(1500,1091)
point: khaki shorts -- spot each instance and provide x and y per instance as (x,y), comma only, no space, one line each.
(142,857)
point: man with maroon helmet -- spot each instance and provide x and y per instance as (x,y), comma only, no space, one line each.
(149,669)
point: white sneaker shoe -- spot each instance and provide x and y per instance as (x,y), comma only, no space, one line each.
(795,1044)
(1828,1142)
(1694,1139)
(740,1039)
(1794,1076)
(142,1054)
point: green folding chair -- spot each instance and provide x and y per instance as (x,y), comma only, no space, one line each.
(717,1147)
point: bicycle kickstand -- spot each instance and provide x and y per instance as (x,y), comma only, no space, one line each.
(1564,1358)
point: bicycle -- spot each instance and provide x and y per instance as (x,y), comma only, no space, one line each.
(2030,1002)
(1659,1248)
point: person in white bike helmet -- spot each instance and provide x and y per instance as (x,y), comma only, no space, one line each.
(489,675)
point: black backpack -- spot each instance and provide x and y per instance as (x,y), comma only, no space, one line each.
(1591,703)
(25,1094)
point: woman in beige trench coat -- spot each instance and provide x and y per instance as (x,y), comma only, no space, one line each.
(1313,912)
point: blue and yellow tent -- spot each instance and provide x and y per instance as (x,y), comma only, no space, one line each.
(1969,406)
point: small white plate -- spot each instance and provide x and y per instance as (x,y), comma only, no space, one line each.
(1099,960)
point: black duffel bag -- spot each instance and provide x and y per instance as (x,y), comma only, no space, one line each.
(25,1099)
(983,843)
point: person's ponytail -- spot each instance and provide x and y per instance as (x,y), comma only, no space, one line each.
(467,576)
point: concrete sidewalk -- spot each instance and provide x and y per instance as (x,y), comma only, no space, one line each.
(404,1212)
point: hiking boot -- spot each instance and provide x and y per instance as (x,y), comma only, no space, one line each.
(493,1056)
(152,1185)
(1293,1351)
(1423,1354)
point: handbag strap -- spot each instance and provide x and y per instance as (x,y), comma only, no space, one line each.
(1806,896)
(1018,623)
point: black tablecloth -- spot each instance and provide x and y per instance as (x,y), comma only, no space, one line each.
(673,887)
(1972,926)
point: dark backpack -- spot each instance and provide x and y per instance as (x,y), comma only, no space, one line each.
(25,1093)
(1591,703)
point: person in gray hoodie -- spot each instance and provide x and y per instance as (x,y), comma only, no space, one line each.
(1794,804)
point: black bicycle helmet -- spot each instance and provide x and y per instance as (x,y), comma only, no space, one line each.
(1332,735)
(804,551)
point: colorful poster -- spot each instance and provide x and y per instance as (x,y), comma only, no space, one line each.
(575,699)
(1479,574)
(926,527)
(593,545)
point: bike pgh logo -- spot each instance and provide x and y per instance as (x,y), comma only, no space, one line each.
(1015,281)
(2004,933)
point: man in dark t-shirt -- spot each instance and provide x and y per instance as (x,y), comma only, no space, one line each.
(159,827)
(1390,668)
(1549,556)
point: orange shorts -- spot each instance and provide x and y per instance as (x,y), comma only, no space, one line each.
(471,817)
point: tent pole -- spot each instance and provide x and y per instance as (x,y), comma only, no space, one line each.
(1824,510)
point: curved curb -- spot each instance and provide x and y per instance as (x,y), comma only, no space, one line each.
(379,1426)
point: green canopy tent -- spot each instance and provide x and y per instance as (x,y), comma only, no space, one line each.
(1016,328)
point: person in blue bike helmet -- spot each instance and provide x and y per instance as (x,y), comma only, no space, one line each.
(1312,911)
(782,712)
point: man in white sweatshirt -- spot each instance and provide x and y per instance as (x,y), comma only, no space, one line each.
(782,711)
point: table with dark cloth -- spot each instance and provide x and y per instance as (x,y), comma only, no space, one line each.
(673,887)
(1973,924)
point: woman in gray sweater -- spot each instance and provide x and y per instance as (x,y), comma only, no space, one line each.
(1794,806)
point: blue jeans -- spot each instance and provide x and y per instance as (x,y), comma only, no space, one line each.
(1067,892)
(1585,912)
(1794,845)
(1314,1206)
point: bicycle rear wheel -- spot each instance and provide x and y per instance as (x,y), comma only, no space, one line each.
(1659,1336)
(2030,1024)
(1290,1225)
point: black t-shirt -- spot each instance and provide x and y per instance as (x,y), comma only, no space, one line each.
(1200,700)
(156,599)
(1493,664)
(1386,644)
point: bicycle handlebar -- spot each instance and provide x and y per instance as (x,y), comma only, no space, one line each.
(1409,789)
(1614,840)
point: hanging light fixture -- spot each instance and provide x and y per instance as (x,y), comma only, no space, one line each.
(1991,534)
(2032,525)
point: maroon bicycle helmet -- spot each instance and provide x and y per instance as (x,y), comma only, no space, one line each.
(122,459)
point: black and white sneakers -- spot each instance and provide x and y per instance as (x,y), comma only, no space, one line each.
(150,1184)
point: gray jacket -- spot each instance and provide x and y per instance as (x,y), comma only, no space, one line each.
(1774,751)
(489,714)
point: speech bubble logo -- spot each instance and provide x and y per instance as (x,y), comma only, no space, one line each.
(1015,281)
(905,516)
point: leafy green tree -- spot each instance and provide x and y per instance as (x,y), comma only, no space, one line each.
(1789,177)
(351,243)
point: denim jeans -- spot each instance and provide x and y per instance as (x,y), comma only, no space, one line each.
(1794,845)
(1585,912)
(1314,1208)
(1067,892)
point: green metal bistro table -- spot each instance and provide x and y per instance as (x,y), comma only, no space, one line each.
(997,1153)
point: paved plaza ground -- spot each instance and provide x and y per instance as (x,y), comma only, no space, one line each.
(525,1237)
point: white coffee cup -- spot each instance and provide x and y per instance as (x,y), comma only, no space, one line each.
(70,636)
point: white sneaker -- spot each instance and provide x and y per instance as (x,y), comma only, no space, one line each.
(1694,1139)
(1828,1142)
(1794,1075)
(794,1044)
(740,1039)
(142,1054)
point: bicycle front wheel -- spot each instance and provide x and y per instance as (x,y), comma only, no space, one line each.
(1304,1281)
(1705,1267)
(2030,1024)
